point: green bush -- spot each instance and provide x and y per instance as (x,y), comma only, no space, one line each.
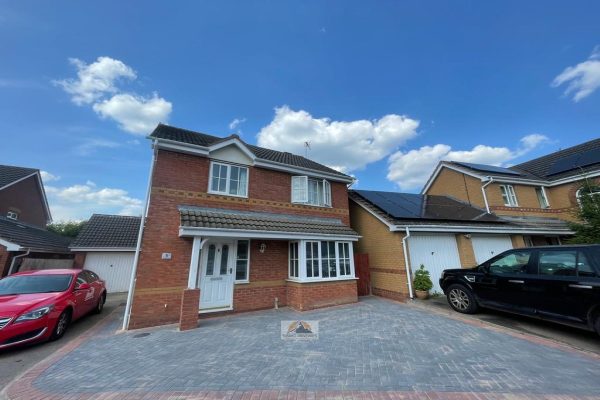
(422,280)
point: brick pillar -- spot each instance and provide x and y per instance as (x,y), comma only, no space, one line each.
(79,260)
(517,241)
(465,251)
(188,316)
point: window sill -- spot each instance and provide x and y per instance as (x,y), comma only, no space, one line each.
(312,205)
(227,194)
(321,280)
(241,282)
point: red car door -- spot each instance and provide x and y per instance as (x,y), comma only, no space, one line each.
(79,297)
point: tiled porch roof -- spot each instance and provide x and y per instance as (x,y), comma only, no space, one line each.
(216,218)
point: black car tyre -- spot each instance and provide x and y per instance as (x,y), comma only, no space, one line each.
(461,299)
(597,324)
(100,305)
(62,324)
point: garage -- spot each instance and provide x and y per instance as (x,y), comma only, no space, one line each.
(488,246)
(106,245)
(436,252)
(113,267)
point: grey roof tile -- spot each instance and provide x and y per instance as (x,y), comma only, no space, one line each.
(10,174)
(32,237)
(217,218)
(201,139)
(108,231)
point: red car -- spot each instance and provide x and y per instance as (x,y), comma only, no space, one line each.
(40,305)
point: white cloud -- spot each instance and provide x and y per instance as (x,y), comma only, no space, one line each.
(343,145)
(48,177)
(79,202)
(410,170)
(236,122)
(96,79)
(135,114)
(96,85)
(583,79)
(89,146)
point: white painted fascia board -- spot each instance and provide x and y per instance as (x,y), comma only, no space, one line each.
(173,145)
(10,246)
(113,249)
(301,171)
(379,217)
(572,179)
(253,234)
(236,142)
(471,229)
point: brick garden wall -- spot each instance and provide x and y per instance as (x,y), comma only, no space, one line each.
(79,259)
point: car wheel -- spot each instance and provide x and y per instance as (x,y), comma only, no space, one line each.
(61,325)
(461,299)
(100,305)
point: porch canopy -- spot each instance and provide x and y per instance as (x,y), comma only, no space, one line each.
(216,222)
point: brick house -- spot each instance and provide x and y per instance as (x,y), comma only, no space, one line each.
(544,189)
(235,227)
(401,231)
(24,241)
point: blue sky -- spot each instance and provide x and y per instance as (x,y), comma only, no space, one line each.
(382,90)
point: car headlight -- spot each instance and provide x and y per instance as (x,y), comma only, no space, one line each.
(35,314)
(442,275)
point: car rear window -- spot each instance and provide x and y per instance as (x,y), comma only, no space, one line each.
(26,284)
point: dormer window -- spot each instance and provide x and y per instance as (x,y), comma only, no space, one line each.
(311,191)
(228,179)
(12,215)
(509,196)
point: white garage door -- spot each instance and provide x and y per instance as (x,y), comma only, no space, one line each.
(436,252)
(113,267)
(488,246)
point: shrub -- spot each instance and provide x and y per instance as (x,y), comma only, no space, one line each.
(422,280)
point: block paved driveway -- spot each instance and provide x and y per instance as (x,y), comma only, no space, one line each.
(376,345)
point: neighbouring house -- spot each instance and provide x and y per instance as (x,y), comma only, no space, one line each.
(106,245)
(24,213)
(544,189)
(234,227)
(401,231)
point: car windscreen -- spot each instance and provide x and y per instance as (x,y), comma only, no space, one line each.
(25,284)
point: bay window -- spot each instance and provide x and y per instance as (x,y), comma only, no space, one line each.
(311,260)
(242,260)
(228,179)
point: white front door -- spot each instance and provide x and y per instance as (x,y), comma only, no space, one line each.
(488,246)
(216,280)
(436,252)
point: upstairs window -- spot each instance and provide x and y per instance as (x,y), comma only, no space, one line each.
(509,196)
(541,195)
(231,180)
(12,215)
(315,192)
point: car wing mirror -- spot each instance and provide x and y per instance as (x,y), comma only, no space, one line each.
(83,286)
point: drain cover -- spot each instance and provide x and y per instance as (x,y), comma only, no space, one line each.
(139,335)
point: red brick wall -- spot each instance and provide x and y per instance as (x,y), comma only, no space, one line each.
(4,261)
(188,314)
(308,296)
(26,198)
(79,259)
(182,179)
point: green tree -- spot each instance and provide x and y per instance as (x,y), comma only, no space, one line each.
(587,229)
(69,229)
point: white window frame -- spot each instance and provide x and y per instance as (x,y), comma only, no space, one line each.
(228,179)
(302,262)
(541,195)
(595,192)
(297,243)
(299,190)
(12,215)
(247,280)
(509,196)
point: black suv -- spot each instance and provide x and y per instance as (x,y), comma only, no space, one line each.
(555,283)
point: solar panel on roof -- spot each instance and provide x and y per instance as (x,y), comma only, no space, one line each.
(575,161)
(398,205)
(488,168)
